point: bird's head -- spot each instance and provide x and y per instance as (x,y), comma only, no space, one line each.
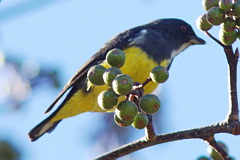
(177,31)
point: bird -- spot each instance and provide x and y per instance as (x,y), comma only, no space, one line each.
(145,46)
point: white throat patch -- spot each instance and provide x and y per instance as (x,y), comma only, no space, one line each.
(177,51)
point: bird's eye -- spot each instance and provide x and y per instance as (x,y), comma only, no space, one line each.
(183,28)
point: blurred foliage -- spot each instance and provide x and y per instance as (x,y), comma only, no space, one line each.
(17,80)
(8,151)
(213,154)
(19,77)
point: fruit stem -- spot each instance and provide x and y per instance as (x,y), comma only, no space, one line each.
(146,82)
(215,39)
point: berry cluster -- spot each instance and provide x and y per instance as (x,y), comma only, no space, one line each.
(224,12)
(134,109)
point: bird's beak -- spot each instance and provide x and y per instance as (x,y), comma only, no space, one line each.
(196,40)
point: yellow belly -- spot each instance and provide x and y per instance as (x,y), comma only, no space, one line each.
(137,65)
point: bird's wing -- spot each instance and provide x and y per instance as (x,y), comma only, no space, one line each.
(121,41)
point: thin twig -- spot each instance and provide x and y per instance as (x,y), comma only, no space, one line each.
(215,39)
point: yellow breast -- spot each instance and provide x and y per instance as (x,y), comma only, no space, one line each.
(138,65)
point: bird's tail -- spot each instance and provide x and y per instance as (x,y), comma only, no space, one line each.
(43,127)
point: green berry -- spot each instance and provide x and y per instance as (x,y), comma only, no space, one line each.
(207,4)
(115,58)
(225,5)
(215,16)
(122,84)
(110,74)
(140,121)
(202,23)
(8,151)
(150,103)
(227,38)
(159,74)
(121,123)
(214,154)
(126,110)
(229,24)
(236,9)
(95,74)
(107,99)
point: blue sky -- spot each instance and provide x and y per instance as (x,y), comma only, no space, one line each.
(68,33)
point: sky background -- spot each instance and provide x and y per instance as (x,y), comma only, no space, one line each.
(67,33)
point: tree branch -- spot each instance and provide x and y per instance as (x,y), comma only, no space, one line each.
(200,133)
(232,59)
(232,69)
